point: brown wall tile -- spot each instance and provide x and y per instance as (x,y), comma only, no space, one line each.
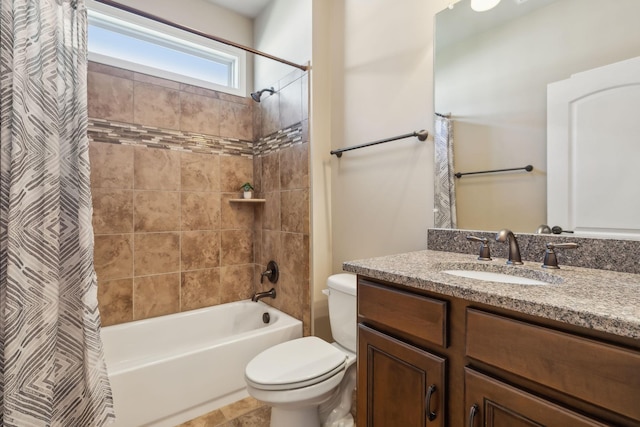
(156,211)
(270,173)
(197,90)
(295,211)
(156,295)
(235,171)
(236,247)
(236,121)
(200,211)
(156,253)
(271,211)
(113,256)
(271,247)
(291,104)
(295,255)
(270,113)
(199,114)
(111,165)
(182,219)
(236,215)
(109,97)
(289,295)
(110,70)
(156,169)
(294,167)
(158,81)
(199,172)
(115,301)
(200,249)
(236,283)
(156,106)
(200,288)
(112,211)
(257,173)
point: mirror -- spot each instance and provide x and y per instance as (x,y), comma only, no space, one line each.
(491,71)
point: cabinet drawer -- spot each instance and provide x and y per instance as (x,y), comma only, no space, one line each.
(596,372)
(490,402)
(408,314)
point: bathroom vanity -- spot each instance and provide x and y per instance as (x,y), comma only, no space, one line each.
(436,349)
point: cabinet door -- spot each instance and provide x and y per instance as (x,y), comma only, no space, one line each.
(398,384)
(491,403)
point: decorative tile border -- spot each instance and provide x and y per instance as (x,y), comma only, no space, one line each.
(113,132)
(284,138)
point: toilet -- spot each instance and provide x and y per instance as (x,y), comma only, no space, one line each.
(309,382)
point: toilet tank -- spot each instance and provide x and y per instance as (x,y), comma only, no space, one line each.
(342,309)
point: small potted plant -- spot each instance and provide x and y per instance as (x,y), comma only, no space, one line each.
(246,188)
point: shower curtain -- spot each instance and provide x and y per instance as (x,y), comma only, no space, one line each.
(444,192)
(52,370)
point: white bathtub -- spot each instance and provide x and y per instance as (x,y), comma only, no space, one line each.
(170,369)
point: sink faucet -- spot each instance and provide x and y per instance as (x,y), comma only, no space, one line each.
(506,235)
(259,295)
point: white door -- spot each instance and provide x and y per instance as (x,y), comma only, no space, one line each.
(593,151)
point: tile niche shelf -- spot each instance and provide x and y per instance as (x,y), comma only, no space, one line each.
(247,200)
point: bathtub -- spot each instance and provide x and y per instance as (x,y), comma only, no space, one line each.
(170,369)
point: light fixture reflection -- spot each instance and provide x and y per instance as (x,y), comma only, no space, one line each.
(482,5)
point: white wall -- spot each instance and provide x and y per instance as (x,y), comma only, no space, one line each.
(201,15)
(283,29)
(382,86)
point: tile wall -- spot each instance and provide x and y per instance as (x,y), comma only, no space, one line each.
(281,174)
(166,158)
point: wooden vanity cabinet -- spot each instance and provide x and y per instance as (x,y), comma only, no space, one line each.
(404,384)
(490,367)
(399,383)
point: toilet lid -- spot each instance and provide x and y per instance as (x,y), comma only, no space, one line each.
(295,364)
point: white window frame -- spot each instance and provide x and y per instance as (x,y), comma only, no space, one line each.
(174,38)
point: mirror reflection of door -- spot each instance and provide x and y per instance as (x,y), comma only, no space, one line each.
(491,73)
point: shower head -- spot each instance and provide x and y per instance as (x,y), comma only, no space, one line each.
(256,95)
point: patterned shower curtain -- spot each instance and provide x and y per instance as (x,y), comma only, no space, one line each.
(445,192)
(52,370)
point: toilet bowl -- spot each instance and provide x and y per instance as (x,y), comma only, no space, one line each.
(308,381)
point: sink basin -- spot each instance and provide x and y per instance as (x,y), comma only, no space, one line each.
(489,276)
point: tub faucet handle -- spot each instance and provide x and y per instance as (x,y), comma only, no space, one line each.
(272,273)
(485,254)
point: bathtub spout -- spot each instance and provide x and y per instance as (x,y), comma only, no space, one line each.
(259,295)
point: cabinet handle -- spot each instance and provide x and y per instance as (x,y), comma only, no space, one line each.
(472,414)
(431,415)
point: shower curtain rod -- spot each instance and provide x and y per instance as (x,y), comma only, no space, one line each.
(198,33)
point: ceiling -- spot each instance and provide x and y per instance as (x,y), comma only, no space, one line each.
(248,8)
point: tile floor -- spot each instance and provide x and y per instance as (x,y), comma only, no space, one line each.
(243,413)
(247,412)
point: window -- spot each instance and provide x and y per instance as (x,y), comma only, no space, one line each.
(129,41)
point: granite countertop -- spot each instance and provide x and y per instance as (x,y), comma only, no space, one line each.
(597,299)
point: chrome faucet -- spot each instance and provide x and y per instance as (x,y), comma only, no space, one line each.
(506,235)
(259,295)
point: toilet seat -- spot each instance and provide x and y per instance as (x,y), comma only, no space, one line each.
(295,364)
